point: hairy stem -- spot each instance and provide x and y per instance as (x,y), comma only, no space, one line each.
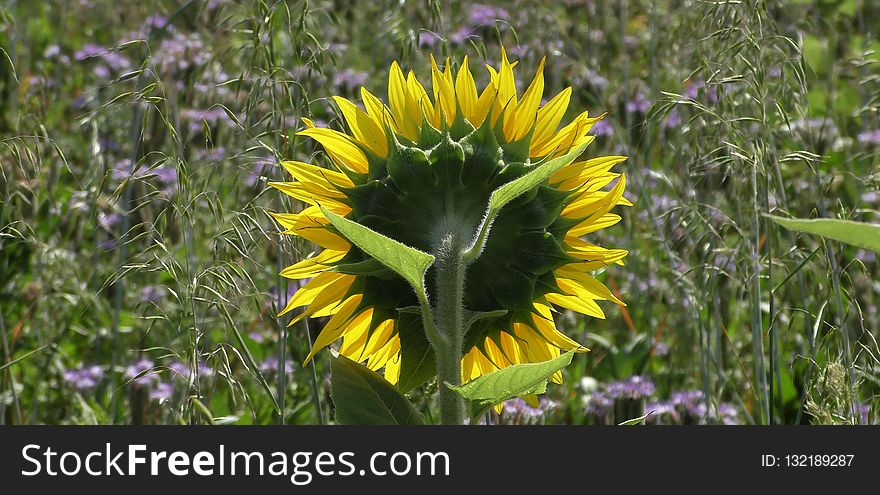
(449,314)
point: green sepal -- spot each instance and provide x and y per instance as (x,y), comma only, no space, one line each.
(460,126)
(483,157)
(518,151)
(429,136)
(409,167)
(447,161)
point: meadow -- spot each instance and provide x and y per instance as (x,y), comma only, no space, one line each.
(139,265)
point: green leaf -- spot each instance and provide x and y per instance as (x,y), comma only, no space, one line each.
(417,361)
(366,267)
(471,317)
(859,234)
(513,381)
(409,263)
(513,189)
(635,421)
(362,397)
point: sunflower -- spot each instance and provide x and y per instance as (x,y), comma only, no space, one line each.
(420,170)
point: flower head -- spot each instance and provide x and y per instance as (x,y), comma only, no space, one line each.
(424,167)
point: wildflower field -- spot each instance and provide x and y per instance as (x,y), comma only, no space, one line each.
(189,190)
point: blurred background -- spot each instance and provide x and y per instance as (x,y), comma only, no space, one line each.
(138,265)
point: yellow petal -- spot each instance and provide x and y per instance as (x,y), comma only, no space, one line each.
(549,117)
(340,148)
(591,225)
(337,325)
(312,195)
(576,304)
(363,128)
(574,175)
(466,92)
(401,102)
(355,337)
(597,209)
(444,93)
(392,369)
(526,110)
(551,335)
(306,172)
(308,292)
(379,339)
(378,111)
(420,97)
(312,225)
(595,204)
(566,138)
(310,267)
(505,101)
(587,285)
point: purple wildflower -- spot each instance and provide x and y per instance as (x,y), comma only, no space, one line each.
(156,22)
(602,128)
(162,391)
(139,372)
(52,51)
(108,245)
(185,371)
(102,72)
(661,349)
(198,118)
(259,168)
(166,175)
(673,120)
(693,88)
(869,137)
(518,407)
(213,154)
(108,220)
(461,35)
(866,256)
(181,52)
(634,387)
(350,79)
(89,50)
(427,39)
(271,365)
(85,377)
(639,104)
(153,293)
(487,15)
(589,77)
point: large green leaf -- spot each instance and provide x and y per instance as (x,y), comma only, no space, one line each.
(409,263)
(513,189)
(863,235)
(513,381)
(362,397)
(417,361)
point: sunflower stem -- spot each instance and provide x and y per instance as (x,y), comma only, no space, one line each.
(449,315)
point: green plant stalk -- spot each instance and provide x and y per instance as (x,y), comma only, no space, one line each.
(450,268)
